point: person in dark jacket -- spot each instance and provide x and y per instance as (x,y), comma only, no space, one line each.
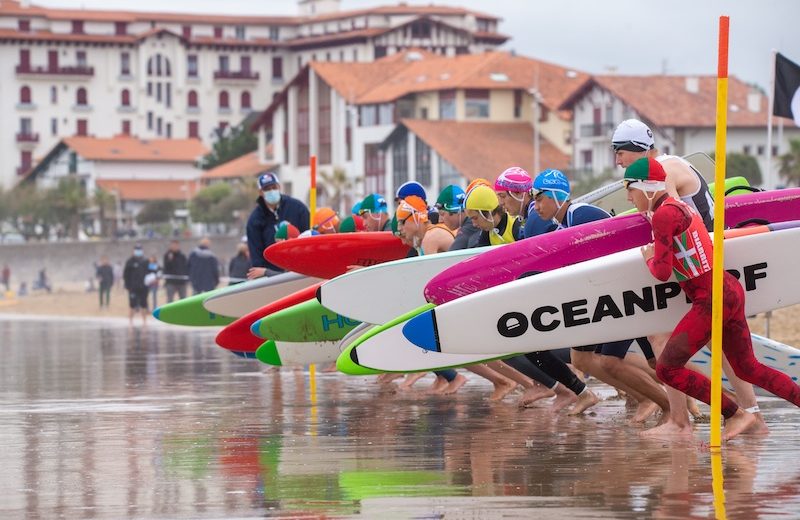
(175,271)
(239,265)
(133,275)
(272,207)
(105,279)
(203,268)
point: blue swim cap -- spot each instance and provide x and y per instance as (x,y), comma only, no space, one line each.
(411,188)
(552,183)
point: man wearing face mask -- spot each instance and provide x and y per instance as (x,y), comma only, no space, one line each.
(272,207)
(136,268)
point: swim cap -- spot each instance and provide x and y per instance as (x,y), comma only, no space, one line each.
(352,224)
(374,203)
(477,182)
(412,205)
(552,183)
(514,179)
(646,174)
(482,198)
(285,231)
(451,199)
(632,135)
(411,188)
(325,220)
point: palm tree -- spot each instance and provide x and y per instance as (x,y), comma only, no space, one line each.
(790,163)
(105,204)
(340,186)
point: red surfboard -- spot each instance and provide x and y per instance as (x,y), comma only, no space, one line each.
(328,256)
(237,336)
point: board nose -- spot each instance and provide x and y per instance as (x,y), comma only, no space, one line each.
(421,331)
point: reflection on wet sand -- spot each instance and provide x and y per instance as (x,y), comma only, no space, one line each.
(103,422)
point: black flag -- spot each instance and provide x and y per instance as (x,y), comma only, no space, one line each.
(787,89)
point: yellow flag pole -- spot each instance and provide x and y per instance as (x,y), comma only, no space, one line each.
(719,226)
(313,209)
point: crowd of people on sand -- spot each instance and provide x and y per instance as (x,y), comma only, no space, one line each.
(667,189)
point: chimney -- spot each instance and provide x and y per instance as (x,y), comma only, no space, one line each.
(754,101)
(692,84)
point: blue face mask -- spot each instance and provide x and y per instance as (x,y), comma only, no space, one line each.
(272,196)
(138,252)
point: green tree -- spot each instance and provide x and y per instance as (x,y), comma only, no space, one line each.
(741,165)
(204,207)
(106,204)
(339,188)
(31,212)
(229,145)
(156,212)
(68,200)
(790,163)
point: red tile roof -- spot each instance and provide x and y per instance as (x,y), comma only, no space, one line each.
(485,149)
(133,149)
(665,101)
(150,189)
(244,166)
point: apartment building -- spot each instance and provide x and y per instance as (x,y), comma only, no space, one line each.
(157,75)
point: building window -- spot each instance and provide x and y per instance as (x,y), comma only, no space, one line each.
(52,60)
(274,33)
(423,162)
(746,149)
(221,128)
(77,26)
(245,100)
(54,94)
(149,88)
(774,150)
(168,94)
(277,68)
(223,64)
(191,65)
(517,104)
(125,64)
(191,99)
(83,127)
(167,69)
(80,58)
(25,95)
(149,120)
(126,127)
(477,104)
(369,115)
(194,129)
(240,32)
(386,113)
(217,31)
(421,29)
(448,174)
(168,131)
(81,98)
(303,130)
(120,28)
(186,30)
(158,125)
(380,51)
(24,25)
(400,159)
(447,104)
(125,98)
(53,126)
(760,150)
(355,54)
(25,161)
(324,122)
(374,169)
(244,64)
(73,162)
(158,65)
(24,59)
(586,159)
(25,126)
(224,99)
(158,92)
(423,113)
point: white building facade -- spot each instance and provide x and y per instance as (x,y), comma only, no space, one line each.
(164,75)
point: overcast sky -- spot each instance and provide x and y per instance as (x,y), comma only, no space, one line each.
(597,36)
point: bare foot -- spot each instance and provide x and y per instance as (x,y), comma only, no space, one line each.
(502,389)
(531,395)
(644,411)
(759,427)
(586,400)
(388,377)
(668,429)
(740,422)
(691,405)
(438,386)
(454,385)
(410,380)
(563,399)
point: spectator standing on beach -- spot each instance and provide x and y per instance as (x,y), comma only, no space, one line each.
(151,280)
(239,264)
(43,282)
(133,275)
(105,279)
(175,271)
(6,277)
(203,268)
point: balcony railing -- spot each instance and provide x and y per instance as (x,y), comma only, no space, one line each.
(76,70)
(597,130)
(27,137)
(242,74)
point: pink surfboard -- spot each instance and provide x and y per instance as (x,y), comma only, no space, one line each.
(586,242)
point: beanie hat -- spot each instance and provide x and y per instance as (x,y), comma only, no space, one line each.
(646,174)
(632,135)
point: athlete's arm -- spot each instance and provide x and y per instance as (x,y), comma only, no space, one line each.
(668,221)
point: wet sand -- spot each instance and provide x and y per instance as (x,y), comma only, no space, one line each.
(103,421)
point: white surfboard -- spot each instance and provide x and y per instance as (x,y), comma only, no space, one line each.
(242,299)
(772,353)
(398,286)
(284,353)
(606,299)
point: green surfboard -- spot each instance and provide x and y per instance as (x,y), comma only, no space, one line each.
(304,322)
(190,311)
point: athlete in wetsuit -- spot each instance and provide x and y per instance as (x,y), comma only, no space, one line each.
(683,246)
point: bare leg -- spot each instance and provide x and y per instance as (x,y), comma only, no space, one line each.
(502,385)
(454,385)
(564,398)
(740,422)
(411,379)
(745,396)
(533,389)
(634,377)
(585,400)
(677,423)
